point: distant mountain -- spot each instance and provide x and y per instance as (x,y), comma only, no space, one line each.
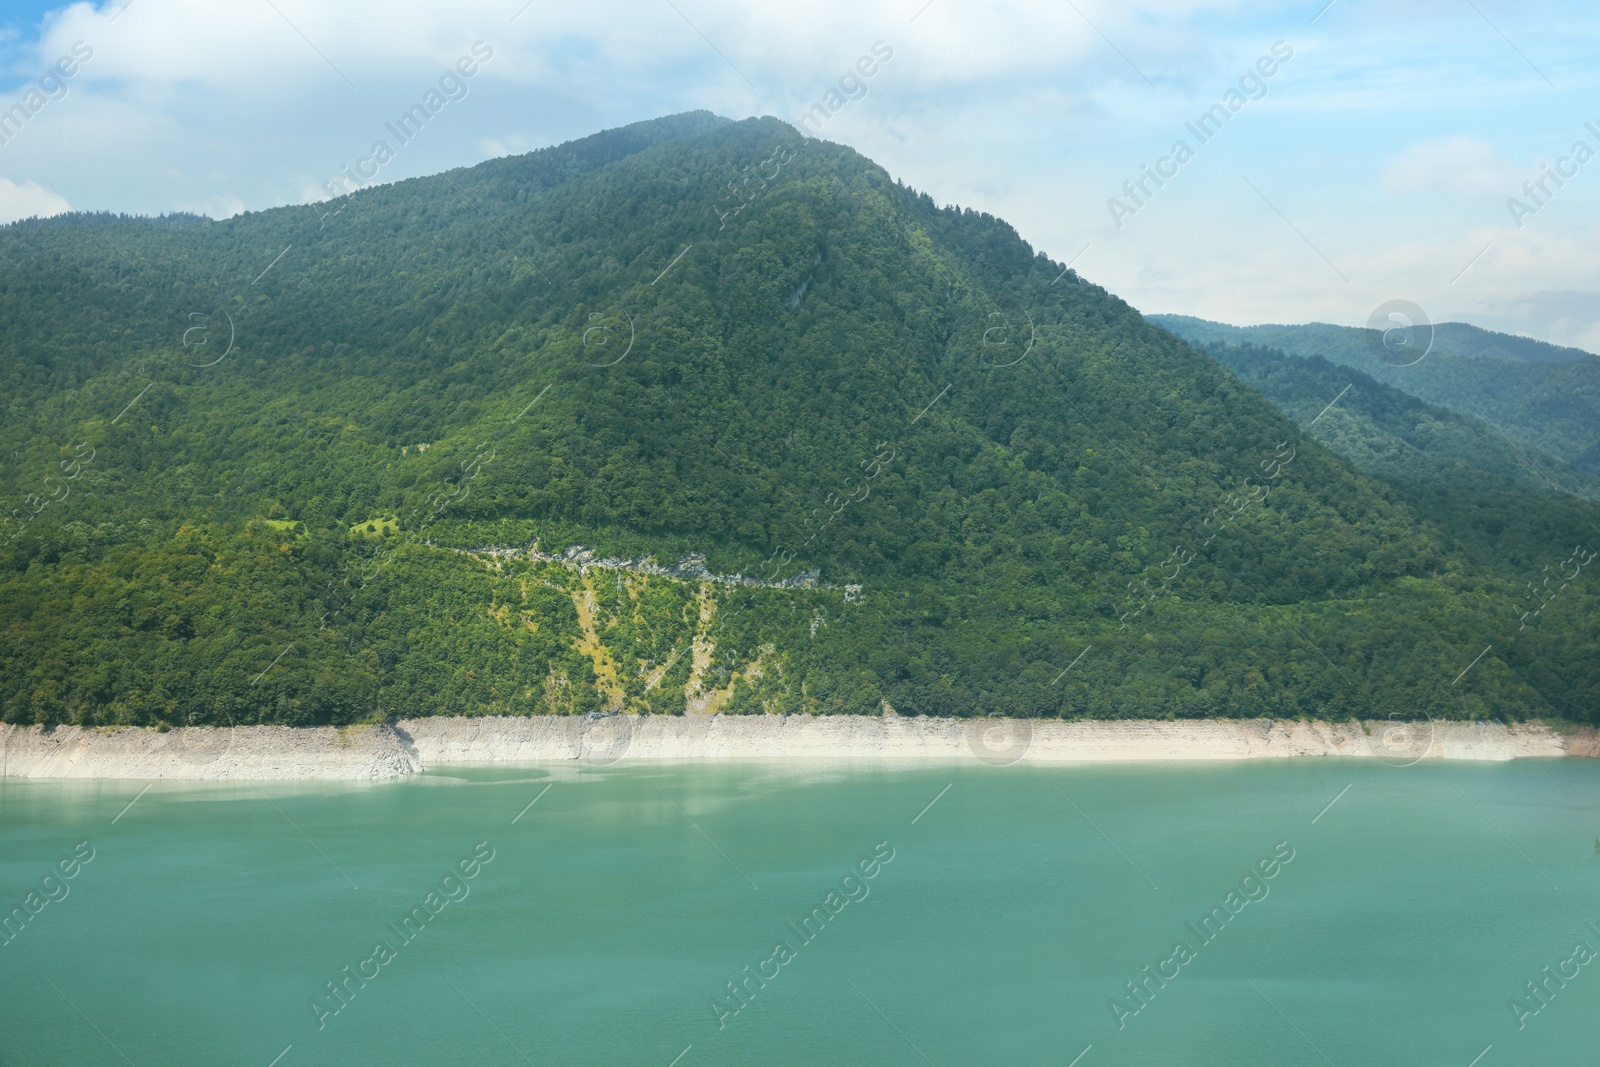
(1390,433)
(1474,342)
(1450,339)
(1530,392)
(699,415)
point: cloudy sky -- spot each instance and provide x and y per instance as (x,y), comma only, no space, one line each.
(1375,162)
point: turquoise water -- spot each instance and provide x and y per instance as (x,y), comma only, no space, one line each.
(617,907)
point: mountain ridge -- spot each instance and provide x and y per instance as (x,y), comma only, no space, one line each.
(838,376)
(1460,340)
(1388,432)
(1552,404)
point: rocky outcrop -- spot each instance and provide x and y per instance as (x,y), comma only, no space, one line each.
(996,741)
(244,752)
(1583,741)
(410,745)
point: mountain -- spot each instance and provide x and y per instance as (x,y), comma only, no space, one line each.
(698,415)
(1390,433)
(1530,392)
(1452,340)
(1464,341)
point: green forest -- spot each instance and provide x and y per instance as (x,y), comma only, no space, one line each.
(1526,391)
(1391,433)
(696,416)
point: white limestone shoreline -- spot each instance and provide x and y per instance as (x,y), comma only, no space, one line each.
(409,746)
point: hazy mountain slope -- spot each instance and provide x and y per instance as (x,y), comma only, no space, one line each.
(1465,341)
(952,468)
(1387,432)
(1457,340)
(1545,396)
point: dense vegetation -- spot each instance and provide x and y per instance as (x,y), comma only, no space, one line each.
(1534,393)
(258,467)
(1387,432)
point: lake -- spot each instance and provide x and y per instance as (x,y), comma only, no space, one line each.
(1280,912)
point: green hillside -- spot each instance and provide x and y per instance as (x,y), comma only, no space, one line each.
(1390,433)
(1532,393)
(1466,341)
(693,416)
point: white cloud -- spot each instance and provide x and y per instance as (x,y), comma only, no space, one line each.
(1029,109)
(216,207)
(1563,318)
(1455,164)
(28,200)
(509,145)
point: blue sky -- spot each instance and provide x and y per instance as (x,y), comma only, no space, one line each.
(1375,163)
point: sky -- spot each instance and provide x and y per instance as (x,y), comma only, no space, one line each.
(1358,152)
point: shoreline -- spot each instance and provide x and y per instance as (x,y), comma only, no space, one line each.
(409,746)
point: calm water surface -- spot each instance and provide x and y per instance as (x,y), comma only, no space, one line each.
(616,910)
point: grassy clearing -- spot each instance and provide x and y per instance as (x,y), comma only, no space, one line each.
(381,527)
